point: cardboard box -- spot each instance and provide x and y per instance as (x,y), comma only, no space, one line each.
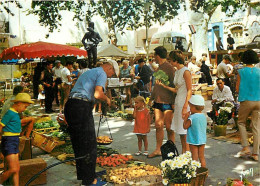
(30,167)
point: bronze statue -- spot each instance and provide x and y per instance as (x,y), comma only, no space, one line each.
(93,38)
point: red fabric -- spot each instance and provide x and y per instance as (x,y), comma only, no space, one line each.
(40,49)
(142,121)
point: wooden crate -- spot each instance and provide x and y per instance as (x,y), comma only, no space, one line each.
(46,130)
(30,167)
(43,142)
(197,92)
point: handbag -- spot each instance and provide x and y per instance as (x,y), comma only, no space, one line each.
(168,147)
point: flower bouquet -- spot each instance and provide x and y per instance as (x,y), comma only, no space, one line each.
(179,170)
(222,117)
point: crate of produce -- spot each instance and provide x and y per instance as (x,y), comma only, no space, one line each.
(134,174)
(45,143)
(46,130)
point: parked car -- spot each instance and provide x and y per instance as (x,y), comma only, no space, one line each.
(255,44)
(169,40)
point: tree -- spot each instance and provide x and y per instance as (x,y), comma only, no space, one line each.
(49,12)
(200,13)
(4,6)
(117,14)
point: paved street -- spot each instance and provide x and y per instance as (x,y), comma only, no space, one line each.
(220,156)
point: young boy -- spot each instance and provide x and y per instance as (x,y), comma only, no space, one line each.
(10,125)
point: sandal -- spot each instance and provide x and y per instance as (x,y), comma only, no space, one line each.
(254,157)
(153,155)
(145,153)
(138,153)
(244,153)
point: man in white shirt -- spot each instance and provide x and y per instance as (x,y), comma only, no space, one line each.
(221,94)
(57,79)
(66,83)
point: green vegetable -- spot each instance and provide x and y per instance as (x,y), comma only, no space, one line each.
(162,76)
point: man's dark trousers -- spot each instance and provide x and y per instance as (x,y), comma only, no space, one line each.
(78,114)
(49,97)
(92,57)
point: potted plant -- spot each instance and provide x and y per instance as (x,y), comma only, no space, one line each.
(179,170)
(222,117)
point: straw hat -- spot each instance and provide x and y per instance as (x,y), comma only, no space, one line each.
(197,100)
(23,97)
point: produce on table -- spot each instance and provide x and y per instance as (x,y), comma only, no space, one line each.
(113,160)
(104,139)
(105,151)
(27,113)
(123,175)
(45,124)
(251,140)
(162,76)
(43,119)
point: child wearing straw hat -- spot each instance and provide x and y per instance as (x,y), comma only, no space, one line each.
(196,123)
(10,125)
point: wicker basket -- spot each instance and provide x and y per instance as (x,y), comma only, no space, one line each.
(202,174)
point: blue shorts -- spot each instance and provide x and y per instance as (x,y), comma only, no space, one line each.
(162,107)
(10,145)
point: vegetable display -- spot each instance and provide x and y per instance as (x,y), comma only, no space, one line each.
(124,175)
(113,160)
(162,76)
(45,124)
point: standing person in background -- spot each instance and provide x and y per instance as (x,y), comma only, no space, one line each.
(144,77)
(206,71)
(37,79)
(93,39)
(230,42)
(163,101)
(248,87)
(142,124)
(222,70)
(78,113)
(66,83)
(182,82)
(83,68)
(219,44)
(48,83)
(57,74)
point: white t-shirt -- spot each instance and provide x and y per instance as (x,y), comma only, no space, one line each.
(224,95)
(193,68)
(57,71)
(65,72)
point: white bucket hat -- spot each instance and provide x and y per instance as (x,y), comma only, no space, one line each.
(197,100)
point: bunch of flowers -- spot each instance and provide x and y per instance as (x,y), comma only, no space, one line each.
(224,114)
(180,169)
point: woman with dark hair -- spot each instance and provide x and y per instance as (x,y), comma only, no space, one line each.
(182,82)
(248,87)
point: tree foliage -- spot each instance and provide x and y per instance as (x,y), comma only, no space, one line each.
(117,14)
(230,7)
(4,6)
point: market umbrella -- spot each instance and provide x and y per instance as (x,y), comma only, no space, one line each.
(110,50)
(40,50)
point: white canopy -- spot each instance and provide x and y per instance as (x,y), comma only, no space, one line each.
(110,50)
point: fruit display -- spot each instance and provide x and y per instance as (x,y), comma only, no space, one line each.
(113,160)
(124,175)
(104,139)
